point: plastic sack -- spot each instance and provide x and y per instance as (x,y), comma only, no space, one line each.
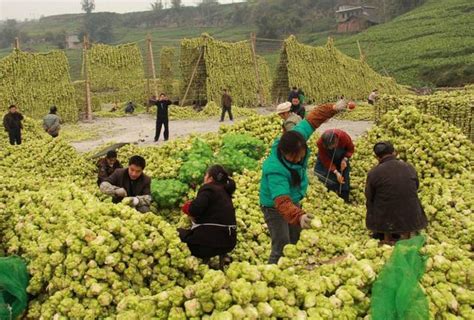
(397,294)
(13,283)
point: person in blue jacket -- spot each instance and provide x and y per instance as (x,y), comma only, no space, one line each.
(284,180)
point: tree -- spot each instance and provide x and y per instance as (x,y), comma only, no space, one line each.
(99,27)
(8,33)
(88,6)
(157,5)
(175,4)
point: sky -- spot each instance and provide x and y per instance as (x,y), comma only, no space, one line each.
(34,9)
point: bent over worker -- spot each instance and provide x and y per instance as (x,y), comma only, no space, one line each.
(335,148)
(130,185)
(394,210)
(284,180)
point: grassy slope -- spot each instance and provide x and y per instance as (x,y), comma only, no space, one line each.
(432,44)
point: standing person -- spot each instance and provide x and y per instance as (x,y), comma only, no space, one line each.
(162,105)
(394,210)
(373,97)
(214,226)
(130,184)
(52,122)
(107,166)
(297,108)
(284,180)
(12,124)
(290,119)
(335,148)
(293,94)
(226,105)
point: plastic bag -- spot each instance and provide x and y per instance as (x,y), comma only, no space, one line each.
(397,294)
(13,283)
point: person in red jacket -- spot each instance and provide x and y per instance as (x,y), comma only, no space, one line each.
(214,226)
(335,148)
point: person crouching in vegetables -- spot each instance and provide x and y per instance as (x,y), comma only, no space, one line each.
(332,167)
(284,180)
(214,227)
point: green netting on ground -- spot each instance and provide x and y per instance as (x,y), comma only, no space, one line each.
(13,284)
(397,294)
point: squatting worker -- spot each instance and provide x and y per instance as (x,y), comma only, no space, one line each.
(284,180)
(212,212)
(52,122)
(290,119)
(130,184)
(162,105)
(393,208)
(106,166)
(332,167)
(12,124)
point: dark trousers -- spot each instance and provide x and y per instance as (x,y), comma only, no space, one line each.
(14,136)
(159,123)
(205,252)
(224,110)
(281,232)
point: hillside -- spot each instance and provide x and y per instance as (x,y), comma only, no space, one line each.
(431,45)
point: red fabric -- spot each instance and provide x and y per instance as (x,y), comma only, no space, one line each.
(186,207)
(291,213)
(344,142)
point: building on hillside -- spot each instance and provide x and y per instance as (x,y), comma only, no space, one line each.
(73,42)
(355,18)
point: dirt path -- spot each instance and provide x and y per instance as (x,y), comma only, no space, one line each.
(140,129)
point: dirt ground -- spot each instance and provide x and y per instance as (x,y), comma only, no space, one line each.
(140,129)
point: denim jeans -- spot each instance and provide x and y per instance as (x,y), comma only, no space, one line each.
(281,232)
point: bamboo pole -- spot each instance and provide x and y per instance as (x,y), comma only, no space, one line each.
(88,115)
(151,64)
(16,44)
(192,76)
(257,73)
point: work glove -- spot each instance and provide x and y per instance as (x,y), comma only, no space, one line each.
(186,207)
(305,221)
(121,192)
(135,201)
(339,177)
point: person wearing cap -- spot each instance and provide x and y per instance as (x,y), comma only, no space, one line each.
(52,122)
(290,119)
(130,185)
(335,148)
(284,180)
(394,210)
(107,166)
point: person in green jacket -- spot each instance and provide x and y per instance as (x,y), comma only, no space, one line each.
(284,180)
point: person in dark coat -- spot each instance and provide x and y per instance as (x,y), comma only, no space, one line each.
(214,226)
(130,107)
(107,166)
(335,148)
(394,210)
(130,185)
(162,105)
(226,105)
(12,124)
(297,108)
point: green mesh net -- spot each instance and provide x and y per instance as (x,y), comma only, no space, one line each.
(397,294)
(13,284)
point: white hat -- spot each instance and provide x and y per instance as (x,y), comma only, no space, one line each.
(283,107)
